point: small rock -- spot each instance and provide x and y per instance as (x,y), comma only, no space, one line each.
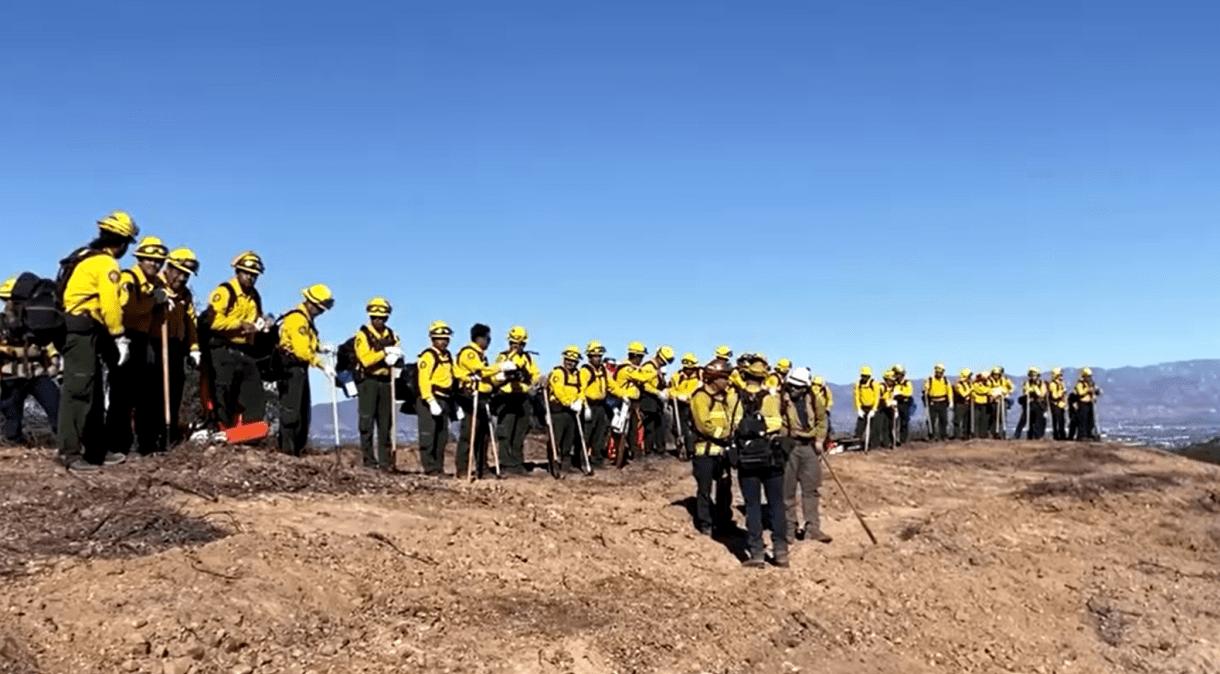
(137,643)
(242,669)
(177,666)
(129,666)
(138,623)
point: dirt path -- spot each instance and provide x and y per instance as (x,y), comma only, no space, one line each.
(994,557)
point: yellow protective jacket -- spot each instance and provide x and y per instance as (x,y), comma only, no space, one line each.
(299,337)
(650,378)
(887,395)
(769,406)
(1057,391)
(525,364)
(684,383)
(93,291)
(594,381)
(1002,382)
(823,391)
(714,416)
(231,307)
(867,395)
(937,389)
(961,391)
(629,380)
(139,305)
(25,361)
(773,380)
(370,345)
(737,379)
(182,319)
(435,373)
(904,389)
(471,366)
(980,392)
(1034,390)
(563,387)
(1085,391)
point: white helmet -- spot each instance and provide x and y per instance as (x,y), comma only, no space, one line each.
(799,376)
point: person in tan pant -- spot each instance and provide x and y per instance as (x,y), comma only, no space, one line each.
(804,432)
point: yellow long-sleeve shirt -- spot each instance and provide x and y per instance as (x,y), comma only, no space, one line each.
(435,373)
(961,390)
(471,366)
(139,305)
(713,415)
(867,395)
(231,307)
(1034,390)
(93,291)
(1086,391)
(370,345)
(650,378)
(980,392)
(685,383)
(888,391)
(525,366)
(629,380)
(937,389)
(594,381)
(1057,390)
(563,387)
(181,319)
(299,337)
(904,389)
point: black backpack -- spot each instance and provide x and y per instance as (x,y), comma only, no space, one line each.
(752,449)
(39,319)
(406,387)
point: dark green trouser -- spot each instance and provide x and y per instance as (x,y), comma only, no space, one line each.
(177,383)
(81,404)
(597,431)
(461,460)
(239,387)
(127,384)
(939,413)
(294,410)
(512,425)
(884,428)
(961,420)
(433,435)
(652,417)
(983,425)
(373,400)
(564,422)
(150,402)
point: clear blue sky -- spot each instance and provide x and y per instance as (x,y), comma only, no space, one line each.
(840,183)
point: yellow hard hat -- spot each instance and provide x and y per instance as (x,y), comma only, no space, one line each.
(151,248)
(249,261)
(997,370)
(119,222)
(6,288)
(517,335)
(183,259)
(756,370)
(439,329)
(724,352)
(1034,370)
(571,352)
(320,295)
(1087,372)
(690,360)
(940,367)
(890,374)
(819,380)
(636,349)
(1058,372)
(866,371)
(964,373)
(783,365)
(595,348)
(666,353)
(899,369)
(378,307)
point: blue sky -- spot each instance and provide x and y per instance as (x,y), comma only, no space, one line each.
(840,183)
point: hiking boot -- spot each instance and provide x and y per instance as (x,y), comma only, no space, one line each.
(819,536)
(781,559)
(754,562)
(705,531)
(114,459)
(800,534)
(80,465)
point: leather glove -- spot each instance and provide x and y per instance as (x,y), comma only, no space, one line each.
(663,395)
(588,413)
(123,344)
(460,414)
(435,408)
(577,406)
(772,390)
(507,366)
(195,359)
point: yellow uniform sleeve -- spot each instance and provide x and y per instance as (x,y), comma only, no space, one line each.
(223,320)
(365,354)
(109,304)
(626,380)
(298,339)
(426,364)
(469,363)
(562,392)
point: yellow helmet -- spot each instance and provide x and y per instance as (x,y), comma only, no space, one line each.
(183,259)
(899,369)
(757,369)
(964,373)
(997,370)
(319,295)
(940,367)
(1034,370)
(666,353)
(595,348)
(783,365)
(636,349)
(1087,372)
(378,307)
(6,288)
(690,360)
(1058,372)
(439,329)
(819,380)
(119,222)
(151,248)
(866,371)
(249,261)
(571,352)
(517,335)
(889,374)
(724,352)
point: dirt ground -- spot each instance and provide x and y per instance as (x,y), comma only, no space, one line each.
(993,557)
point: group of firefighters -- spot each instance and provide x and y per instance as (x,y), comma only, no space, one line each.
(770,424)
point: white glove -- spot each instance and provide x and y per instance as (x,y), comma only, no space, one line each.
(997,392)
(327,348)
(577,406)
(663,395)
(588,413)
(499,378)
(460,414)
(392,359)
(350,390)
(860,414)
(435,408)
(195,358)
(260,324)
(682,398)
(772,390)
(396,350)
(328,370)
(871,413)
(507,366)
(123,344)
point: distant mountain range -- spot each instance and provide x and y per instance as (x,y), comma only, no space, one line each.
(1170,404)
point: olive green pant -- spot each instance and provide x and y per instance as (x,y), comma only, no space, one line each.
(482,425)
(433,435)
(597,431)
(375,406)
(239,387)
(512,425)
(563,420)
(81,405)
(294,410)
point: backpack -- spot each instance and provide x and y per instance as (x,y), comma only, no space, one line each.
(346,360)
(39,316)
(208,315)
(273,363)
(752,449)
(406,387)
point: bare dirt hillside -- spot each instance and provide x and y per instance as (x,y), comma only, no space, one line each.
(993,557)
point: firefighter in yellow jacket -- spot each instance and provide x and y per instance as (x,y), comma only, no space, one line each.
(1034,394)
(181,329)
(760,474)
(234,320)
(566,401)
(1086,393)
(1057,397)
(93,313)
(779,375)
(595,383)
(886,423)
(983,400)
(134,403)
(938,400)
(26,369)
(474,374)
(510,401)
(681,386)
(963,408)
(867,398)
(904,401)
(435,405)
(629,382)
(714,413)
(298,351)
(378,351)
(654,397)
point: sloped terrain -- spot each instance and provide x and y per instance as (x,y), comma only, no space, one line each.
(993,557)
